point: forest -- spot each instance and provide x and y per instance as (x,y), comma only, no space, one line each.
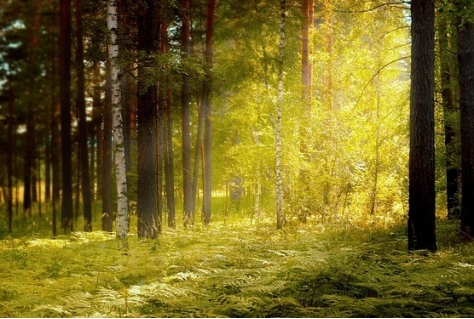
(236,158)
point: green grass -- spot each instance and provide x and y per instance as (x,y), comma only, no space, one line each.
(236,269)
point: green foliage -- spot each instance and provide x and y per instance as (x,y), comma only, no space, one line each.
(238,270)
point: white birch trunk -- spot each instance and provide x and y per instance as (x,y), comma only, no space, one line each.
(117,126)
(278,133)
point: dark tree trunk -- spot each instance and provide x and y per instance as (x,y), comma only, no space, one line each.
(207,113)
(29,191)
(197,158)
(421,213)
(81,111)
(185,117)
(47,169)
(55,122)
(65,101)
(167,127)
(169,162)
(10,156)
(466,103)
(107,158)
(148,35)
(97,128)
(451,124)
(28,159)
(160,140)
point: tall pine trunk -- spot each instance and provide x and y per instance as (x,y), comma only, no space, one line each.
(451,124)
(65,102)
(147,205)
(207,113)
(55,122)
(10,156)
(421,213)
(466,103)
(185,117)
(81,111)
(117,126)
(107,158)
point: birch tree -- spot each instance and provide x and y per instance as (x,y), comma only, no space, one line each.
(278,137)
(117,124)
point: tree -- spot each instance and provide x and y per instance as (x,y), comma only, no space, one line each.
(148,34)
(167,129)
(65,102)
(466,103)
(421,213)
(81,111)
(278,133)
(107,158)
(185,116)
(10,156)
(117,126)
(450,111)
(207,113)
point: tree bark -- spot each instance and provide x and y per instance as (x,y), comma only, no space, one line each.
(10,156)
(466,103)
(117,126)
(185,117)
(451,126)
(306,65)
(278,129)
(55,122)
(81,111)
(65,102)
(148,35)
(207,113)
(421,213)
(107,158)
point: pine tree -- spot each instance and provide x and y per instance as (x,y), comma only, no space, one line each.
(421,213)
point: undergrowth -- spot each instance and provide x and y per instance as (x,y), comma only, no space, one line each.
(238,270)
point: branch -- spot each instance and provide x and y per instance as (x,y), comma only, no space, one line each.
(391,4)
(373,77)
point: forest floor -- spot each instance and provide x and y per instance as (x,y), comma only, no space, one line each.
(238,270)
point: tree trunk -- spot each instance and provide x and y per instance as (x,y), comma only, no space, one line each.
(185,115)
(330,54)
(97,128)
(207,113)
(55,122)
(65,102)
(169,162)
(197,158)
(117,126)
(451,126)
(278,132)
(148,35)
(81,111)
(107,158)
(306,65)
(421,213)
(10,156)
(466,103)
